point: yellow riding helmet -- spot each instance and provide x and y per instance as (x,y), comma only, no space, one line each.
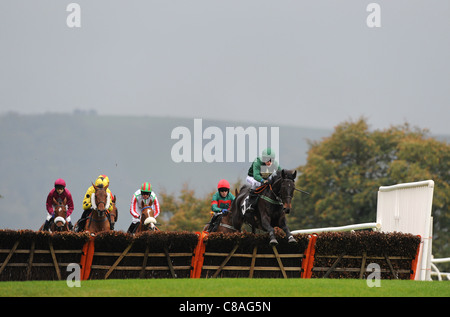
(101,182)
(105,178)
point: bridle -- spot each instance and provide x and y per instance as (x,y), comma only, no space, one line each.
(146,209)
(106,204)
(150,225)
(278,200)
(59,208)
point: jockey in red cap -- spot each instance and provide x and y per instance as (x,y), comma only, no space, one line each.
(220,203)
(59,192)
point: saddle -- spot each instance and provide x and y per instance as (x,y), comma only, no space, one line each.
(249,203)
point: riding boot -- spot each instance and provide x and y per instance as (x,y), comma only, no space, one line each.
(80,225)
(133,227)
(82,222)
(46,225)
(111,225)
(70,225)
(252,200)
(215,222)
(211,223)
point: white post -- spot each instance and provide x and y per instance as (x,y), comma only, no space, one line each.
(407,208)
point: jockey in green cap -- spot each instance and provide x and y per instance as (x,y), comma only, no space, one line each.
(259,173)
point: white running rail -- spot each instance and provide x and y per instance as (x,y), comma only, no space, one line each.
(435,271)
(370,225)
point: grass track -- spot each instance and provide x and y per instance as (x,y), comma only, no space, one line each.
(227,287)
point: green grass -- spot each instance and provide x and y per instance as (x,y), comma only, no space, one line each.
(227,287)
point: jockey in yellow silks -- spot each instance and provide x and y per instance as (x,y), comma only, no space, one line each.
(102,180)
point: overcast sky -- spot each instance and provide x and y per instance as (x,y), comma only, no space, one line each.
(308,63)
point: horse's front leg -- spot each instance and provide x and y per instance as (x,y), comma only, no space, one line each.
(265,224)
(283,225)
(237,219)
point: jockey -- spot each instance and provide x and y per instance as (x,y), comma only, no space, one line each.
(220,203)
(59,192)
(145,194)
(102,181)
(259,173)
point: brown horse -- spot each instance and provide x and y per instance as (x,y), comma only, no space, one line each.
(58,222)
(98,221)
(148,222)
(273,204)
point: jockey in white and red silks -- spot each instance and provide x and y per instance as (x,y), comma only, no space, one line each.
(149,197)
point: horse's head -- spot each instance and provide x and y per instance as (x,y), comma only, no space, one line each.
(60,212)
(148,220)
(287,188)
(101,200)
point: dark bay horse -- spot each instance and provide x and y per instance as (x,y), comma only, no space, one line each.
(148,222)
(98,221)
(59,222)
(272,206)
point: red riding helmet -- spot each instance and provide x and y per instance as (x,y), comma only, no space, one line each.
(60,182)
(223,184)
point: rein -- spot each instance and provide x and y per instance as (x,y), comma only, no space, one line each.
(225,225)
(104,217)
(228,226)
(270,200)
(261,189)
(302,191)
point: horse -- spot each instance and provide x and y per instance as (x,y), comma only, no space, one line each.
(58,222)
(98,221)
(148,221)
(274,202)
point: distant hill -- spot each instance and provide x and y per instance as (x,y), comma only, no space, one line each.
(37,149)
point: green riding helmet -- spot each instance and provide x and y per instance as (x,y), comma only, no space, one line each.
(146,188)
(267,155)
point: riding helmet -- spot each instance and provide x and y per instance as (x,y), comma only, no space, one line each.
(104,178)
(99,182)
(60,182)
(146,187)
(223,184)
(267,155)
